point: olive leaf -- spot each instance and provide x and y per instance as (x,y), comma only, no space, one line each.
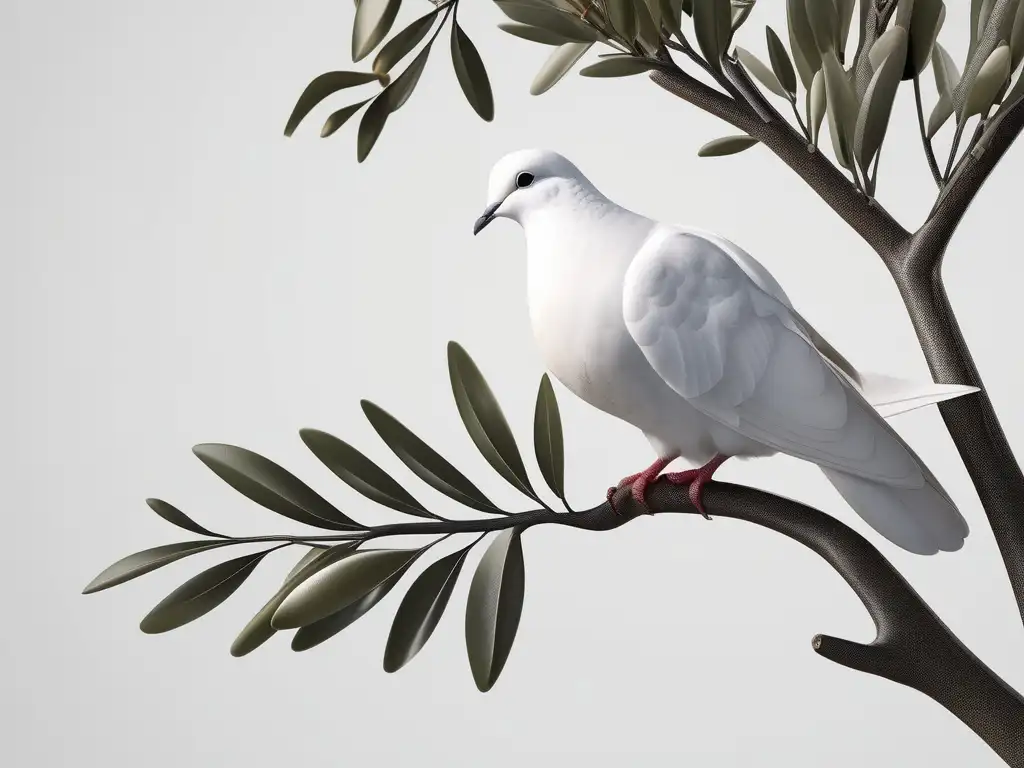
(373,21)
(319,89)
(946,78)
(648,30)
(259,629)
(421,609)
(991,79)
(471,73)
(1017,38)
(727,145)
(782,66)
(338,585)
(561,60)
(533,34)
(988,40)
(671,15)
(740,11)
(712,26)
(494,607)
(200,594)
(271,486)
(844,10)
(618,66)
(390,100)
(424,461)
(320,631)
(925,23)
(175,516)
(361,474)
(484,420)
(876,108)
(823,20)
(140,563)
(547,438)
(338,118)
(401,45)
(549,18)
(622,17)
(893,38)
(816,105)
(802,42)
(759,70)
(841,107)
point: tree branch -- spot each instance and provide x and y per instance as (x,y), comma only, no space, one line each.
(872,222)
(912,647)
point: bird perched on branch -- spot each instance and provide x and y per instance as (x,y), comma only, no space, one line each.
(684,335)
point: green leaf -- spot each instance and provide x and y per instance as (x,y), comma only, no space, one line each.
(741,12)
(271,486)
(801,41)
(533,34)
(259,629)
(892,39)
(648,32)
(543,16)
(484,420)
(319,89)
(372,123)
(989,39)
(672,14)
(781,64)
(991,79)
(758,69)
(561,60)
(618,66)
(876,108)
(946,78)
(360,473)
(337,119)
(547,438)
(428,465)
(727,145)
(401,89)
(175,516)
(401,45)
(844,9)
(140,563)
(925,23)
(622,18)
(200,594)
(816,105)
(421,610)
(842,108)
(494,607)
(824,23)
(712,26)
(320,631)
(338,586)
(471,73)
(373,21)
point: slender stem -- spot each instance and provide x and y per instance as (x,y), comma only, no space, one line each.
(929,151)
(799,121)
(952,150)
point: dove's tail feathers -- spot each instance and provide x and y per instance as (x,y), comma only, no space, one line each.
(920,520)
(890,395)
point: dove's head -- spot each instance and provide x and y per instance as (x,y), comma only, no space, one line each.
(529,180)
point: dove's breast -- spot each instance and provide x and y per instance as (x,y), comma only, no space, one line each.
(574,284)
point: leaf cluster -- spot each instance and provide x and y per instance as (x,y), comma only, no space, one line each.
(337,579)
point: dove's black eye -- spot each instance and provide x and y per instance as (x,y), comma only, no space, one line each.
(524,179)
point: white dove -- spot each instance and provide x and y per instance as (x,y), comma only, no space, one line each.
(683,334)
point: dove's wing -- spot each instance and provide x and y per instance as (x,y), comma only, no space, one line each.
(745,359)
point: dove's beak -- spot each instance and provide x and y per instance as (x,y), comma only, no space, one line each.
(486,219)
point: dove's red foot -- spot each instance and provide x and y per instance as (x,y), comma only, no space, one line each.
(638,483)
(696,478)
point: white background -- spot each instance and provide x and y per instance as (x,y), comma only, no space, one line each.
(176,272)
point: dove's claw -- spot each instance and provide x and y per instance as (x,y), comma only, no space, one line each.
(696,478)
(638,483)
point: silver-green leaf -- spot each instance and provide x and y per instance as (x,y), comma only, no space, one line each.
(842,108)
(547,438)
(876,108)
(373,21)
(712,26)
(471,73)
(991,79)
(175,516)
(561,60)
(802,42)
(200,594)
(401,45)
(946,78)
(622,17)
(618,66)
(421,610)
(271,486)
(823,19)
(338,118)
(338,585)
(816,101)
(533,34)
(319,89)
(925,23)
(494,607)
(759,70)
(549,18)
(484,420)
(782,66)
(727,145)
(140,563)
(360,473)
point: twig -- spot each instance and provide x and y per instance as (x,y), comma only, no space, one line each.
(929,151)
